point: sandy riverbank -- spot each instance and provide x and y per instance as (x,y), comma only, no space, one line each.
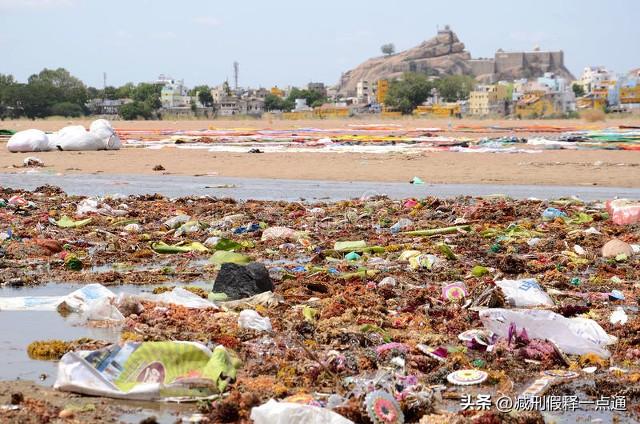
(551,167)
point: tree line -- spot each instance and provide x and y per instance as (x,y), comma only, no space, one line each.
(55,92)
(413,89)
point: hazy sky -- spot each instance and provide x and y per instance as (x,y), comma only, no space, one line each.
(294,41)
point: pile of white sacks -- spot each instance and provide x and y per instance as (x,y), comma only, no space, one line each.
(101,136)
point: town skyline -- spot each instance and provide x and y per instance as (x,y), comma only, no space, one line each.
(286,52)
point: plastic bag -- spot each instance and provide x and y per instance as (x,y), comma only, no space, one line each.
(252,320)
(524,293)
(575,336)
(176,221)
(274,412)
(102,310)
(273,233)
(623,211)
(75,138)
(79,300)
(180,296)
(102,129)
(28,141)
(170,371)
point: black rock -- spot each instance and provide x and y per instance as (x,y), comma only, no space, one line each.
(242,281)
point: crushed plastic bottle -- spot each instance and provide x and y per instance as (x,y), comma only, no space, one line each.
(550,214)
(401,225)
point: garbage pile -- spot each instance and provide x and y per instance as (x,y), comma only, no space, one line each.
(369,310)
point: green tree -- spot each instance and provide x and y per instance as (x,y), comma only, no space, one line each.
(226,88)
(7,83)
(60,85)
(273,102)
(405,94)
(94,93)
(125,91)
(388,49)
(135,110)
(455,87)
(109,92)
(67,109)
(314,98)
(148,94)
(204,95)
(578,90)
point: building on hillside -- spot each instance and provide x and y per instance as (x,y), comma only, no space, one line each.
(382,88)
(364,92)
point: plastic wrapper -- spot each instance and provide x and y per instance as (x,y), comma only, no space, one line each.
(575,336)
(624,211)
(252,320)
(171,370)
(524,293)
(274,412)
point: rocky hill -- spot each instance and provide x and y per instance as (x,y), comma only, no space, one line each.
(443,54)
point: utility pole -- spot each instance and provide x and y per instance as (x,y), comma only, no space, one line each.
(104,91)
(236,70)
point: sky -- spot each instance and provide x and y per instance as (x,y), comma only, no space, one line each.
(293,42)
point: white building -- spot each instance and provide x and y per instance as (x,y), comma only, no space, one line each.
(301,106)
(175,95)
(364,92)
(592,77)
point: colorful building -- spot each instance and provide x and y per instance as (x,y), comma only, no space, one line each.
(382,88)
(630,95)
(277,92)
(488,100)
(537,104)
(441,110)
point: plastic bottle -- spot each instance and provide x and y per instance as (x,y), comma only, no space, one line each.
(401,225)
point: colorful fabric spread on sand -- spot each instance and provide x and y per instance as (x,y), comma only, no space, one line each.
(390,138)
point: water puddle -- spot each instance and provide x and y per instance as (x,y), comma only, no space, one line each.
(19,328)
(165,413)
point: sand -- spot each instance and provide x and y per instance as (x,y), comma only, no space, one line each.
(551,167)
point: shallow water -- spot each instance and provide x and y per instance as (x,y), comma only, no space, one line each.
(291,190)
(19,328)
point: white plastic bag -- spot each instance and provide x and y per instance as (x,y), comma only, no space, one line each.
(102,129)
(28,141)
(575,336)
(274,233)
(252,320)
(524,293)
(79,300)
(274,412)
(102,310)
(76,138)
(180,296)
